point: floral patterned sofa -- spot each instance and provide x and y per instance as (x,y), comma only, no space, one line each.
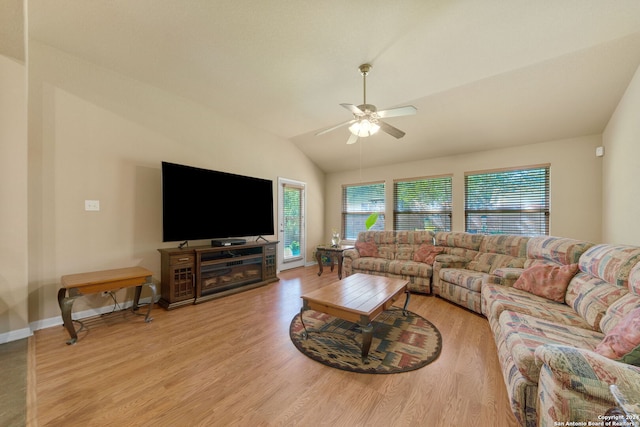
(566,332)
(565,313)
(469,260)
(402,254)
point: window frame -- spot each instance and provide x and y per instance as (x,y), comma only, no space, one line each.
(399,215)
(502,215)
(346,213)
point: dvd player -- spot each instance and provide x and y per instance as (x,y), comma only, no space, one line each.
(228,242)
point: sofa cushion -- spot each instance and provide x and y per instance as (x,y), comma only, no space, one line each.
(458,239)
(547,281)
(555,250)
(427,253)
(367,249)
(414,238)
(506,244)
(522,334)
(497,298)
(591,296)
(623,342)
(387,251)
(370,264)
(488,262)
(468,279)
(611,263)
(410,268)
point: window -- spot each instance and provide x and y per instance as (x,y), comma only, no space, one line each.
(358,202)
(422,204)
(508,201)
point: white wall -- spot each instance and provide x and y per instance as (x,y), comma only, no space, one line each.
(575,185)
(621,175)
(95,134)
(13,198)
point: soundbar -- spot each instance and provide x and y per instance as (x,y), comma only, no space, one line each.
(228,242)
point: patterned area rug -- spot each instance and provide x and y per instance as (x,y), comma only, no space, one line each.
(399,343)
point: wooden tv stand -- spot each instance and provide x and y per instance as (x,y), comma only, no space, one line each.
(196,274)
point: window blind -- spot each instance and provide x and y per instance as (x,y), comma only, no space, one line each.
(508,202)
(358,202)
(423,204)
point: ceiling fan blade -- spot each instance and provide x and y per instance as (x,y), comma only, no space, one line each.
(407,110)
(348,122)
(352,139)
(355,110)
(393,131)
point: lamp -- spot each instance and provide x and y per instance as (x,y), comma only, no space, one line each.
(364,127)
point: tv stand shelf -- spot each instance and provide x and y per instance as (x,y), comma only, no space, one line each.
(196,274)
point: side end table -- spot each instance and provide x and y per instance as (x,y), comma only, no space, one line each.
(334,253)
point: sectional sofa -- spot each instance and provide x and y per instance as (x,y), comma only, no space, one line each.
(564,313)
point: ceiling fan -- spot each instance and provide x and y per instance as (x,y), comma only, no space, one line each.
(366,117)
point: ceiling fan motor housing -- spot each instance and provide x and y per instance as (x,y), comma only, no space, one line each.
(367,108)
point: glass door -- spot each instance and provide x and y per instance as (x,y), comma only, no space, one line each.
(291,211)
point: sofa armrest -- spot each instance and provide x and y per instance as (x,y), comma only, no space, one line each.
(351,253)
(445,261)
(587,372)
(504,276)
(451,261)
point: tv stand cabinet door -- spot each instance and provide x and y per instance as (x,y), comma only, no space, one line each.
(270,263)
(178,279)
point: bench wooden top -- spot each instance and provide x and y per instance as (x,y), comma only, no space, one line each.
(361,294)
(105,276)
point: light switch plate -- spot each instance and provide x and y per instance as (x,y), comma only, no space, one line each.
(92,205)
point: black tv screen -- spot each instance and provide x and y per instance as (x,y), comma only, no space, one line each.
(204,204)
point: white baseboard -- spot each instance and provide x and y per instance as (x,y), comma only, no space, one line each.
(57,321)
(15,335)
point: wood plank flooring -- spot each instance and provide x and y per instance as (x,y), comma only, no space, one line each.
(230,362)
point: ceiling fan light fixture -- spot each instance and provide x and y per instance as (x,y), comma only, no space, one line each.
(367,120)
(363,128)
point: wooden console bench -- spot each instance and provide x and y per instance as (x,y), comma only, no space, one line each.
(101,281)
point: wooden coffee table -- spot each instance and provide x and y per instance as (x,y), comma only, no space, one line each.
(359,298)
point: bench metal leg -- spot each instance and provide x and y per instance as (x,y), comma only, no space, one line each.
(66,304)
(136,300)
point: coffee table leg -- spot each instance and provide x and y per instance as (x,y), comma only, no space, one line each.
(406,303)
(305,334)
(367,334)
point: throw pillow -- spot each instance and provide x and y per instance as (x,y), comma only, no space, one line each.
(547,281)
(369,249)
(427,253)
(622,343)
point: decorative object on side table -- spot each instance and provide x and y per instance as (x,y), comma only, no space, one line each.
(335,239)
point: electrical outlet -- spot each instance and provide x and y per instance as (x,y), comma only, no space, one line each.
(92,205)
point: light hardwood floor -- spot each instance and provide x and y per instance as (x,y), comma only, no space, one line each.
(230,362)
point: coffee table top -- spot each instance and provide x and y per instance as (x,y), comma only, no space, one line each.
(359,294)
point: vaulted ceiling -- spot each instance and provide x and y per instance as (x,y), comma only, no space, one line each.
(483,74)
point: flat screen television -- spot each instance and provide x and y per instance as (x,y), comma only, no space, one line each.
(205,204)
